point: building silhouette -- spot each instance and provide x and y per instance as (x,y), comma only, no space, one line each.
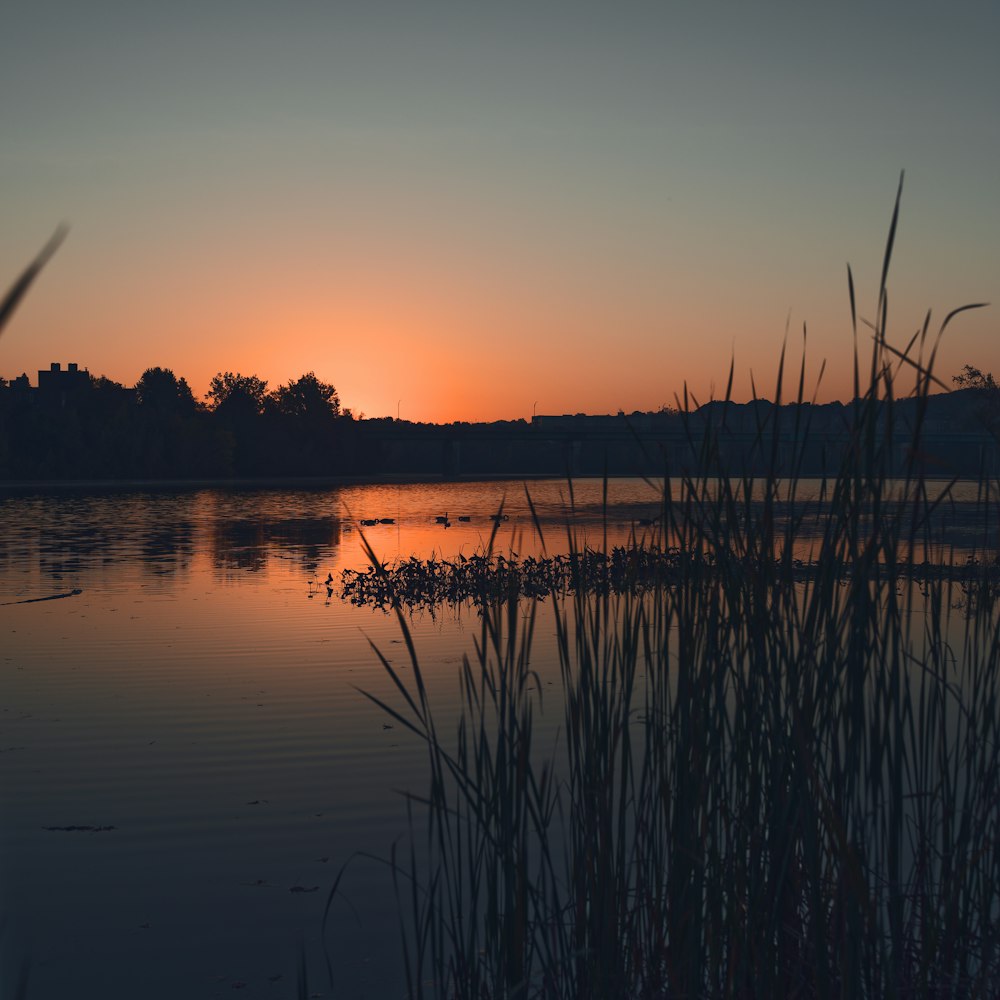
(57,379)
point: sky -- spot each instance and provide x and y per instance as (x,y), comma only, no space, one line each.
(479,211)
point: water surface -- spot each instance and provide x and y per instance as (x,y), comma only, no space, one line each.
(197,705)
(185,757)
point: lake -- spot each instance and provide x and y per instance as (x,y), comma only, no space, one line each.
(200,697)
(186,759)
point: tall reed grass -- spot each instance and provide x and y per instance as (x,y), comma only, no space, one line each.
(765,784)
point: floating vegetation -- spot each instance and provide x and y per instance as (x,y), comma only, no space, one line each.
(418,584)
(487,580)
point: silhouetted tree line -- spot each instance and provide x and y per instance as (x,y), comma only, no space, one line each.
(101,429)
(77,426)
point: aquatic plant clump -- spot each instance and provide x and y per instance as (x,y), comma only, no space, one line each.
(486,581)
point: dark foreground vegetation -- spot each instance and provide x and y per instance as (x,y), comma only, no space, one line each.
(766,783)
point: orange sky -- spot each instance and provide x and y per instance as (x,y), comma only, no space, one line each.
(477,214)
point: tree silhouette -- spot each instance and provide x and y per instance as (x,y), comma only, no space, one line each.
(301,427)
(238,403)
(972,378)
(233,391)
(987,409)
(307,398)
(163,393)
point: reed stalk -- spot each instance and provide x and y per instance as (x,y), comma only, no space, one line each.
(766,783)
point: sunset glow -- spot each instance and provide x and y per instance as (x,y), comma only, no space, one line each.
(479,213)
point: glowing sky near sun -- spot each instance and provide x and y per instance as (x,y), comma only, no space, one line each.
(477,210)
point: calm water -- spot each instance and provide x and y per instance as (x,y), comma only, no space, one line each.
(196,706)
(199,695)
